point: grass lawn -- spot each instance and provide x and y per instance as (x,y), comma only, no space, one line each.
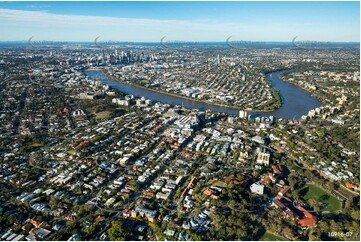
(271,237)
(219,184)
(102,115)
(143,82)
(72,151)
(36,145)
(331,203)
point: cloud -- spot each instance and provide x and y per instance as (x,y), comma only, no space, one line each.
(35,6)
(39,17)
(138,28)
(21,25)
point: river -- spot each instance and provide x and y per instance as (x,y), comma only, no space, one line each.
(295,101)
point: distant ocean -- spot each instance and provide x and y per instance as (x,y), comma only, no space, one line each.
(265,44)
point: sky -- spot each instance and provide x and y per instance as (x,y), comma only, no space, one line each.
(180,21)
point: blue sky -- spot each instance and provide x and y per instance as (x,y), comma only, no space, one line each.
(181,21)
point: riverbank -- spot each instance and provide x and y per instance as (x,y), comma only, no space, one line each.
(275,92)
(314,93)
(295,101)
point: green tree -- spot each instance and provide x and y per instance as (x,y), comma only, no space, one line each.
(314,203)
(293,182)
(355,214)
(91,229)
(313,236)
(117,232)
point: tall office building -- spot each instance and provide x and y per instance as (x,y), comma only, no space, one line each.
(263,157)
(103,58)
(243,114)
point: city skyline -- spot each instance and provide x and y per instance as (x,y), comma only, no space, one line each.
(181,21)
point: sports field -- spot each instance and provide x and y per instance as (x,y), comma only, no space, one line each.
(327,201)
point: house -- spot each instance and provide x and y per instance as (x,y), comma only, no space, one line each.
(127,213)
(169,232)
(57,227)
(309,220)
(74,237)
(211,192)
(87,95)
(42,233)
(69,218)
(31,237)
(181,236)
(18,238)
(257,188)
(163,196)
(57,212)
(258,139)
(268,178)
(120,102)
(140,228)
(208,192)
(27,226)
(283,191)
(123,161)
(9,236)
(352,186)
(286,211)
(142,211)
(139,237)
(35,223)
(148,194)
(277,169)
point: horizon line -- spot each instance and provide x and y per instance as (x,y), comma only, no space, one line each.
(182,41)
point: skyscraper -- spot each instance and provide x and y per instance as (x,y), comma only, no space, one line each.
(243,114)
(103,58)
